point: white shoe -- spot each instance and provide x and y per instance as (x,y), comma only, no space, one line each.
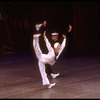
(51,85)
(36,35)
(54,75)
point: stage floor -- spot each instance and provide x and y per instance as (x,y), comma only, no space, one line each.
(79,77)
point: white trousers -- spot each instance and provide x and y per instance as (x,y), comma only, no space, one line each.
(38,52)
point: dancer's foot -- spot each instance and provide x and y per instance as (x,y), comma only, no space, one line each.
(51,85)
(54,75)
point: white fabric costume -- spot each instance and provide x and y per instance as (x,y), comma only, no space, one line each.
(37,26)
(46,58)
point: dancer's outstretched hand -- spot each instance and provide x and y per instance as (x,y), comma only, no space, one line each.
(70,28)
(64,36)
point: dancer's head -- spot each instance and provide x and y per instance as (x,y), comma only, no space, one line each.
(54,36)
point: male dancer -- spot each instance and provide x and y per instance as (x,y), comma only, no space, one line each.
(39,29)
(49,58)
(56,38)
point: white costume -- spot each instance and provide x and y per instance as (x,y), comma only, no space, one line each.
(46,58)
(37,26)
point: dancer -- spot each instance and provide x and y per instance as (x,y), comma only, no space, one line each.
(55,38)
(49,58)
(39,29)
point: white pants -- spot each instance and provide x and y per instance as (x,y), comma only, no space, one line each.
(38,52)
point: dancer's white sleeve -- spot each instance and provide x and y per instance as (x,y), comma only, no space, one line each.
(62,48)
(49,47)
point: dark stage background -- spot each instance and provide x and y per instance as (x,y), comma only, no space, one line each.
(19,17)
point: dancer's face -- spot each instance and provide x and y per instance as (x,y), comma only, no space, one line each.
(55,37)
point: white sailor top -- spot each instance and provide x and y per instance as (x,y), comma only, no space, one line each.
(50,57)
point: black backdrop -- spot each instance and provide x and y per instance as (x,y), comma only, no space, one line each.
(83,16)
